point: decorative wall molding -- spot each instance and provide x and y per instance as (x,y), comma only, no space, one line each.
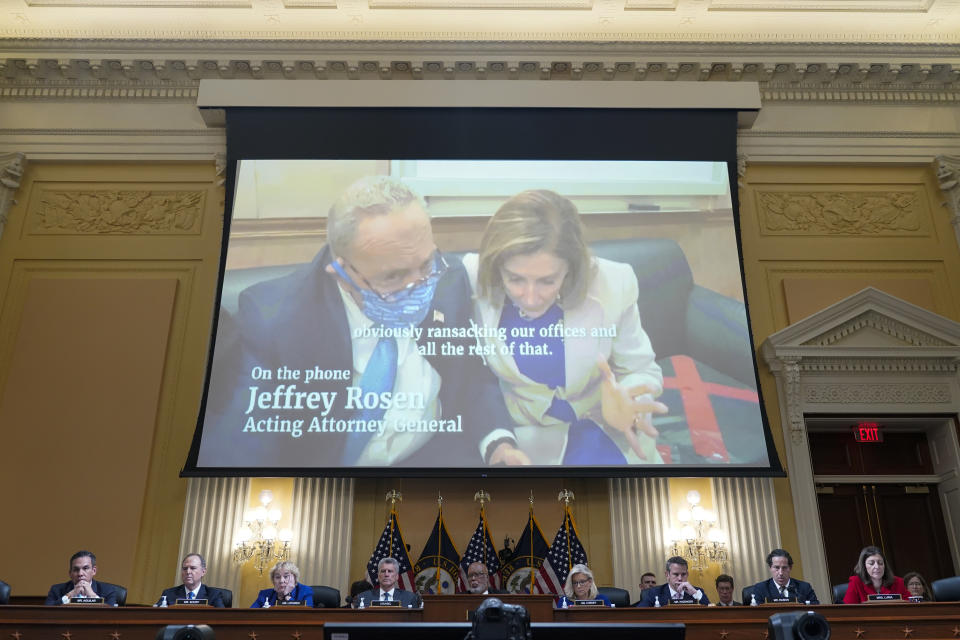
(150,68)
(116,211)
(882,323)
(11,173)
(934,363)
(876,393)
(816,374)
(855,213)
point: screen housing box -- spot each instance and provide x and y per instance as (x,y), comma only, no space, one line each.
(215,95)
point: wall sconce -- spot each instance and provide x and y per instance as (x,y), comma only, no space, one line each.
(258,538)
(689,541)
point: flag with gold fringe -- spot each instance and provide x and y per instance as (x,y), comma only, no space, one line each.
(391,545)
(566,551)
(519,572)
(481,549)
(438,568)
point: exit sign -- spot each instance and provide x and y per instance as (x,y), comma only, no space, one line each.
(867,432)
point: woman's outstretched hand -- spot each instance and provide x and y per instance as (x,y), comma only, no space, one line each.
(628,409)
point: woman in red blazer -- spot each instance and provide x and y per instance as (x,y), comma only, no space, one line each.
(872,575)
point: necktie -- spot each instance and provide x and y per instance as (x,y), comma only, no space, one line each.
(191,595)
(386,596)
(379,376)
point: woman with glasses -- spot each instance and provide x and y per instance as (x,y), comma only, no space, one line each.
(580,586)
(917,586)
(563,335)
(286,588)
(871,575)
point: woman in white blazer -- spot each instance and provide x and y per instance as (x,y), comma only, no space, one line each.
(561,331)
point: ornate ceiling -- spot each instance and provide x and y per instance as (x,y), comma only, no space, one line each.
(624,21)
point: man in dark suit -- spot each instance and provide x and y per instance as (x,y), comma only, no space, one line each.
(192,570)
(724,584)
(781,585)
(478,580)
(83,566)
(676,589)
(388,572)
(379,303)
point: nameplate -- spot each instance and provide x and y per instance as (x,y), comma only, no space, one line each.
(883,597)
(85,600)
(385,603)
(782,600)
(589,603)
(689,600)
(191,601)
(916,598)
(290,603)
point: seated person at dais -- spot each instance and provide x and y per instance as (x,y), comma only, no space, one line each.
(356,588)
(781,585)
(580,586)
(83,566)
(676,590)
(286,588)
(388,573)
(724,584)
(192,570)
(873,575)
(917,586)
(478,579)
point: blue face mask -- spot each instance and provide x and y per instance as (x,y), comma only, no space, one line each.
(409,309)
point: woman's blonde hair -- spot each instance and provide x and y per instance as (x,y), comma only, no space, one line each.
(528,223)
(285,566)
(580,569)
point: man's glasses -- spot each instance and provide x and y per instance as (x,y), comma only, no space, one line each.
(476,575)
(438,266)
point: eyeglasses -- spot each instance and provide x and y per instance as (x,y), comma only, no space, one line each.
(438,267)
(476,575)
(580,583)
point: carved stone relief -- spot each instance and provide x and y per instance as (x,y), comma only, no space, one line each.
(118,212)
(877,393)
(11,172)
(840,212)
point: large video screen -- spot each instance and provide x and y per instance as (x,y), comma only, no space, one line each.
(448,314)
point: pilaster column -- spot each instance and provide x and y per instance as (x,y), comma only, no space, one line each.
(11,173)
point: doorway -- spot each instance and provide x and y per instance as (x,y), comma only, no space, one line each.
(884,494)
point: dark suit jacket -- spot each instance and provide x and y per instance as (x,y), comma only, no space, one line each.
(57,591)
(299,321)
(406,598)
(211,594)
(767,590)
(663,593)
(300,592)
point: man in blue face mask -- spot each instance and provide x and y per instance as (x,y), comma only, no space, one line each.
(377,303)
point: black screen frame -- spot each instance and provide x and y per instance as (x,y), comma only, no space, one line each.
(483,133)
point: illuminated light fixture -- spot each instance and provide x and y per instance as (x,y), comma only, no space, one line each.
(258,539)
(698,539)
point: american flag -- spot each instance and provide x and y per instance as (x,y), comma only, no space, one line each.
(391,545)
(480,549)
(565,552)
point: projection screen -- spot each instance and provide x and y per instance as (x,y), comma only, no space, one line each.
(481,291)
